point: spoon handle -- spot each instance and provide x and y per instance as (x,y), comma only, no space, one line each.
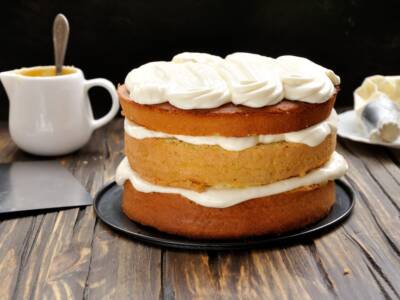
(60,40)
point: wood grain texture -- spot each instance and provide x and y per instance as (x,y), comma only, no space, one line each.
(70,255)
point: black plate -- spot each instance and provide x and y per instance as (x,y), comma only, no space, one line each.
(107,205)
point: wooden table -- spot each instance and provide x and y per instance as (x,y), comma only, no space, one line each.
(69,254)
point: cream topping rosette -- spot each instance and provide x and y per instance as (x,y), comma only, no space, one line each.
(201,81)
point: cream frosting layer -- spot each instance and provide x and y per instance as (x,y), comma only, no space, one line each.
(221,198)
(201,80)
(311,136)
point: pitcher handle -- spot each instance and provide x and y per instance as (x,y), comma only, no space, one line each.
(104,83)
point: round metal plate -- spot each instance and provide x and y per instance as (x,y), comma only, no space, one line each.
(107,205)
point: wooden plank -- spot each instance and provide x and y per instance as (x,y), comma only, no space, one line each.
(374,227)
(358,260)
(68,254)
(14,233)
(310,271)
(120,267)
(49,255)
(282,272)
(53,260)
(378,186)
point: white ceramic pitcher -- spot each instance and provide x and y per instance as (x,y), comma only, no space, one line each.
(52,115)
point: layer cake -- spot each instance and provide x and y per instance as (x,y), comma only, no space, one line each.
(230,147)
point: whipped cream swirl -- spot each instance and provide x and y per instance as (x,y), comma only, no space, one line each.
(187,86)
(201,80)
(253,79)
(306,81)
(197,57)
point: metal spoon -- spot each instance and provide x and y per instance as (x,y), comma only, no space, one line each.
(60,41)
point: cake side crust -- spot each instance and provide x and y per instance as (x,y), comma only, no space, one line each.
(274,214)
(169,162)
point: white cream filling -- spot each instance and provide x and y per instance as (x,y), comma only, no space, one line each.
(311,136)
(220,198)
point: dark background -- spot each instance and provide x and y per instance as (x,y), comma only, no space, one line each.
(110,37)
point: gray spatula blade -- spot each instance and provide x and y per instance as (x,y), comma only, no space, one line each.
(39,185)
